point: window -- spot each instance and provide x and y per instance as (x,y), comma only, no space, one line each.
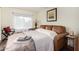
(22,22)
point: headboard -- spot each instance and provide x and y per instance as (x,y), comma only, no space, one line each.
(57,28)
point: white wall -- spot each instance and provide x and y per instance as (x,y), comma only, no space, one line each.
(66,16)
(7,15)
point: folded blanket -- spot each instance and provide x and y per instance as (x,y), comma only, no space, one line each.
(24,38)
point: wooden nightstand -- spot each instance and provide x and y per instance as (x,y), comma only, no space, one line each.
(77,44)
(74,38)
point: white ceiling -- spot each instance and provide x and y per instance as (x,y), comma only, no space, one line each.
(35,9)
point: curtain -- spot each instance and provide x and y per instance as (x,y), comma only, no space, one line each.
(22,22)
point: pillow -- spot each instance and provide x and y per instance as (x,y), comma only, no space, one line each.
(18,30)
(60,36)
(47,32)
(58,29)
(7,29)
(42,26)
(48,28)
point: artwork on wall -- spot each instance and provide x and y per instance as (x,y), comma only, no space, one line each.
(52,15)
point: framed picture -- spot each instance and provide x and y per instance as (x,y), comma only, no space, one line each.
(52,15)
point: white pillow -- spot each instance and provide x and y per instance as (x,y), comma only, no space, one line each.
(47,32)
(19,30)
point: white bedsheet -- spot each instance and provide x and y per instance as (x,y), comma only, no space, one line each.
(43,39)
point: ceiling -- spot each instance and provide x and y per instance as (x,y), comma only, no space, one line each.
(35,9)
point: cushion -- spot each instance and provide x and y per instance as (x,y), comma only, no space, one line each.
(60,36)
(58,29)
(7,29)
(42,26)
(48,27)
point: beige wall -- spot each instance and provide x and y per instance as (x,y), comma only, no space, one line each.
(66,16)
(0,24)
(7,16)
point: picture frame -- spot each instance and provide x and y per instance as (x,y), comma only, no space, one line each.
(52,15)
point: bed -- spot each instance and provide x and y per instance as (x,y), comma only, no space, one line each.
(46,38)
(59,40)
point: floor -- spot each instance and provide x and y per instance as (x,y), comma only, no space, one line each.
(65,49)
(3,45)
